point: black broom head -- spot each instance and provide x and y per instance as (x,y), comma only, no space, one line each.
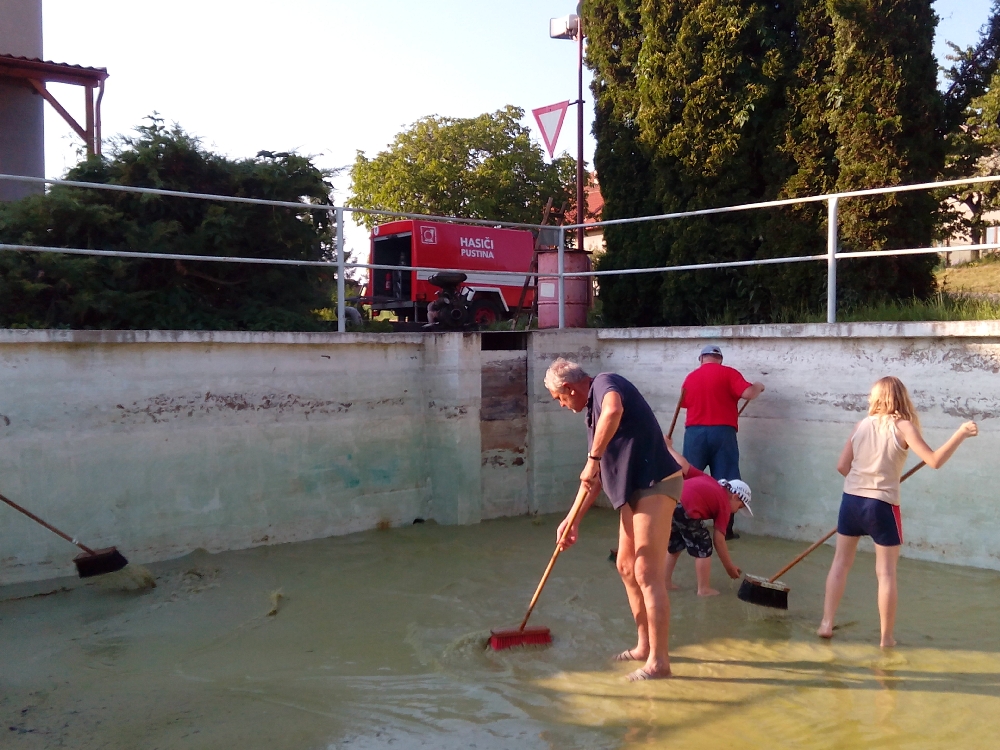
(102,561)
(762,592)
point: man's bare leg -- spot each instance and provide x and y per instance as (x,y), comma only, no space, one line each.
(836,581)
(651,524)
(703,571)
(671,564)
(625,563)
(885,570)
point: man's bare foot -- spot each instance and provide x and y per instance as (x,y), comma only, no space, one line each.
(649,673)
(707,592)
(825,629)
(671,586)
(888,642)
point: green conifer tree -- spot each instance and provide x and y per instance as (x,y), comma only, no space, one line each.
(705,103)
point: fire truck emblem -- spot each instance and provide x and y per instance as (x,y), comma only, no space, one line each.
(429,235)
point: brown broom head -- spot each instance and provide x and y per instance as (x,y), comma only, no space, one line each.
(501,639)
(762,592)
(103,561)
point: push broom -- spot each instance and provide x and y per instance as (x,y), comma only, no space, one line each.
(770,592)
(525,636)
(93,562)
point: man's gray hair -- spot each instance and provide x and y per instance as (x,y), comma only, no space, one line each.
(563,372)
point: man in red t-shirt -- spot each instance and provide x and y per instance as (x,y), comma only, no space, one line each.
(704,498)
(711,395)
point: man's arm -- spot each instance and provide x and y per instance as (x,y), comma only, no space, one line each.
(753,391)
(719,537)
(607,425)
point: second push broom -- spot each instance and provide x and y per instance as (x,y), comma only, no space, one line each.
(770,592)
(92,562)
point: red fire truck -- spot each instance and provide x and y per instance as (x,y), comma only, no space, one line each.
(479,251)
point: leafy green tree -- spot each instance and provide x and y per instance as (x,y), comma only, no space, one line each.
(704,103)
(66,291)
(483,167)
(972,141)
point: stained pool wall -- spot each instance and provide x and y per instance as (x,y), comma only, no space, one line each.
(817,379)
(162,442)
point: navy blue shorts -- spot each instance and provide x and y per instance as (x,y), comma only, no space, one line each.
(715,446)
(865,516)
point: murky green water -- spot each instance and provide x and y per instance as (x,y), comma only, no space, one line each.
(374,645)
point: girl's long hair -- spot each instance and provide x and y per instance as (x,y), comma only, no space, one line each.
(889,398)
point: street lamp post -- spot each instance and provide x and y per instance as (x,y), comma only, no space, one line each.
(571,27)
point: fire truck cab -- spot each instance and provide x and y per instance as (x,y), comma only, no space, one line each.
(479,251)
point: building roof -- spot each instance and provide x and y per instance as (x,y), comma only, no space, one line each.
(45,70)
(593,199)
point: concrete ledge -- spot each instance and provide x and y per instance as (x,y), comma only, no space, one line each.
(51,336)
(925,329)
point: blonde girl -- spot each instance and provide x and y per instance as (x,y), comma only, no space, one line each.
(872,462)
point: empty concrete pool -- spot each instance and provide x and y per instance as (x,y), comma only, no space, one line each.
(376,641)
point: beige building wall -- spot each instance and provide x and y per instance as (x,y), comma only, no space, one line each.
(22,130)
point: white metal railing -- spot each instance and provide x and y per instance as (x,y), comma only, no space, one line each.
(340,262)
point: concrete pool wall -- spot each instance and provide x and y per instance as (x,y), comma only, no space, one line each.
(164,442)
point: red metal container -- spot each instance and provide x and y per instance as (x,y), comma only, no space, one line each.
(577,289)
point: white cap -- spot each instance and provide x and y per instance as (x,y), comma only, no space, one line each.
(742,490)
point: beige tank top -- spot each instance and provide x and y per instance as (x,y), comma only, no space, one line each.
(878,461)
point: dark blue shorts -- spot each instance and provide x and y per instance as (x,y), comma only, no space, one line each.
(865,516)
(715,446)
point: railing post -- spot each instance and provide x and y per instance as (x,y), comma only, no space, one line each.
(562,279)
(341,270)
(831,260)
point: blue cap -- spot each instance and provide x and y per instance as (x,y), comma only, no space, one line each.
(711,349)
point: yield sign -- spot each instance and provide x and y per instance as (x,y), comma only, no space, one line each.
(550,120)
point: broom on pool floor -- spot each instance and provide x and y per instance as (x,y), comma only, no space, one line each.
(770,592)
(525,636)
(93,562)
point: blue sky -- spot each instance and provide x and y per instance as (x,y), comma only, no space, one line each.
(327,77)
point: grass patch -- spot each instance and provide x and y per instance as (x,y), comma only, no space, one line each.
(941,306)
(978,277)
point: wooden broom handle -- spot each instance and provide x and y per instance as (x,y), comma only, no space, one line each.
(743,407)
(833,531)
(50,527)
(677,411)
(798,559)
(581,495)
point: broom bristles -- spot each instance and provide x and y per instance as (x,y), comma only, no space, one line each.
(762,592)
(103,561)
(501,639)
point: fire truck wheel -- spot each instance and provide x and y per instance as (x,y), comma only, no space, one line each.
(484,312)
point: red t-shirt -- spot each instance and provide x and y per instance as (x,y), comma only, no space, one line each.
(711,394)
(704,498)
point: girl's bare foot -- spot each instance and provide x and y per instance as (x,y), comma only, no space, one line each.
(671,586)
(825,629)
(888,642)
(647,672)
(707,592)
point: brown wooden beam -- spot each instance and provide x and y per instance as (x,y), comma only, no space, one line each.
(40,88)
(89,94)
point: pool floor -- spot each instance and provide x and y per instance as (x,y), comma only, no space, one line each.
(375,641)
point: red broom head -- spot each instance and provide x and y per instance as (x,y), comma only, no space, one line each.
(501,639)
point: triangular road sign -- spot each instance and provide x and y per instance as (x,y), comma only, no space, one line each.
(550,120)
